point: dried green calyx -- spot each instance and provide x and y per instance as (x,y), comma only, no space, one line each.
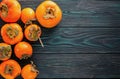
(50,13)
(29,22)
(33,68)
(4,10)
(25,56)
(8,69)
(12,32)
(34,33)
(5,51)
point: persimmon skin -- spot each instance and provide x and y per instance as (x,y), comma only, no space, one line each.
(9,54)
(14,11)
(16,69)
(41,10)
(27,32)
(27,14)
(26,72)
(23,48)
(5,37)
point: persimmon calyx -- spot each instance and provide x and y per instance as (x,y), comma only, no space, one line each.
(12,32)
(4,10)
(4,51)
(25,56)
(29,22)
(33,69)
(8,69)
(50,13)
(34,33)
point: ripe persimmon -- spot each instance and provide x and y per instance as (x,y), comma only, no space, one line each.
(48,14)
(33,32)
(10,69)
(10,10)
(27,14)
(5,51)
(11,33)
(29,71)
(23,50)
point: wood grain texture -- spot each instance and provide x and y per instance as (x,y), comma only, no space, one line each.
(80,40)
(86,44)
(78,65)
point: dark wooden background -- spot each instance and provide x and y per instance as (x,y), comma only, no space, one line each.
(86,44)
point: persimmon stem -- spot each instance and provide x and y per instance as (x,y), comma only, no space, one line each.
(8,69)
(41,42)
(5,51)
(25,56)
(12,32)
(29,22)
(33,69)
(50,13)
(4,10)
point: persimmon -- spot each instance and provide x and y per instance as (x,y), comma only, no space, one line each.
(29,71)
(49,14)
(5,51)
(10,10)
(27,14)
(12,33)
(23,50)
(10,69)
(33,32)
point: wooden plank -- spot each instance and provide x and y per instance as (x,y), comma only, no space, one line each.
(79,40)
(85,13)
(77,65)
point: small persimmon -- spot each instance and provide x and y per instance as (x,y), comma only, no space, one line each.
(23,50)
(27,14)
(5,51)
(11,33)
(48,14)
(10,10)
(33,32)
(10,69)
(29,71)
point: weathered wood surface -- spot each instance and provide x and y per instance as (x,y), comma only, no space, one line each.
(86,44)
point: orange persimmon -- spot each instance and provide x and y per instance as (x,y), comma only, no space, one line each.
(10,10)
(27,14)
(23,50)
(29,71)
(48,14)
(10,69)
(32,32)
(5,51)
(12,33)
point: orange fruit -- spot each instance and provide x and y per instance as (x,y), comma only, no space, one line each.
(5,51)
(32,32)
(29,72)
(48,14)
(11,33)
(27,14)
(10,10)
(23,50)
(10,69)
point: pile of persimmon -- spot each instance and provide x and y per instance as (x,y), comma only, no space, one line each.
(48,14)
